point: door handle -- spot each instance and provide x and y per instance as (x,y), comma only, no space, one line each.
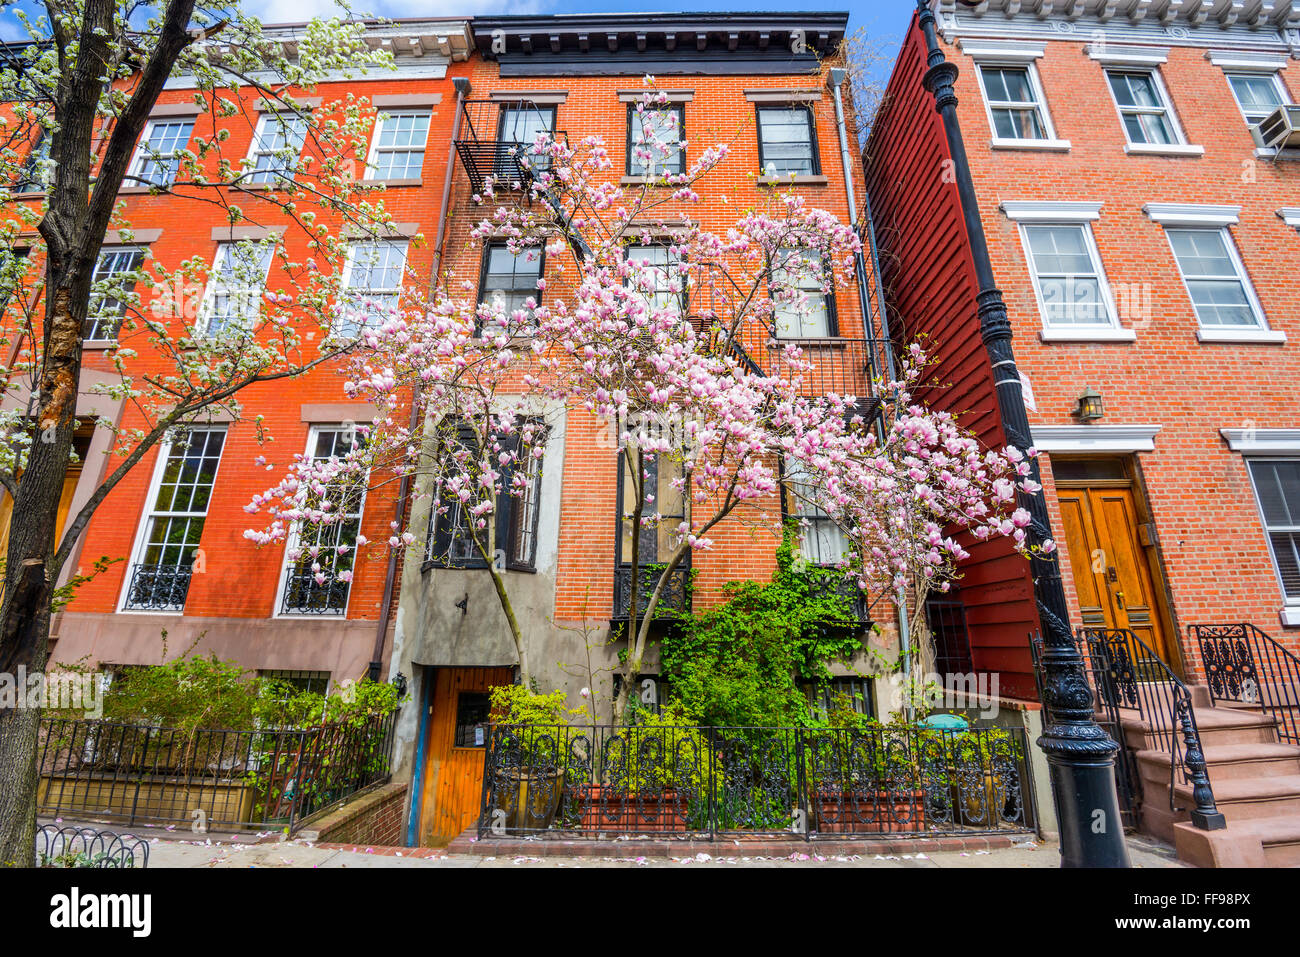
(1119,599)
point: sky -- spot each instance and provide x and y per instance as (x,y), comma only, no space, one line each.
(885,19)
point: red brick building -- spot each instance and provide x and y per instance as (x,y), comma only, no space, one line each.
(176,523)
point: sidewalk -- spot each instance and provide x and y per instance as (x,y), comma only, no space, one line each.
(183,853)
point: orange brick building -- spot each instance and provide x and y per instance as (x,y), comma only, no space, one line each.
(1145,236)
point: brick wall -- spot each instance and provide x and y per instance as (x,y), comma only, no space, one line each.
(377,818)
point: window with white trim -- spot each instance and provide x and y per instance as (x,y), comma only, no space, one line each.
(1067,274)
(276,146)
(802,308)
(1257,94)
(658,278)
(372,283)
(821,540)
(321,555)
(1215,278)
(173,526)
(34,175)
(111,288)
(235,287)
(157,159)
(1016,105)
(1144,107)
(399,143)
(1277,489)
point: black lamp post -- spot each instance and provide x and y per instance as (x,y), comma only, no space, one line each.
(1080,754)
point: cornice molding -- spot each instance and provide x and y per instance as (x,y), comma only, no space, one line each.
(1192,214)
(1094,438)
(1058,211)
(1247,441)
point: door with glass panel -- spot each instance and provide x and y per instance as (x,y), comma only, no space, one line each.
(517,133)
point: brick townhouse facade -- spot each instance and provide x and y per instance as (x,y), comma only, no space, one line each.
(176,522)
(1146,240)
(729,77)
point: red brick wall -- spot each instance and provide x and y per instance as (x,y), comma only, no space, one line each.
(376,819)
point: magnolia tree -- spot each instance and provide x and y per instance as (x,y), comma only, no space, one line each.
(180,341)
(676,338)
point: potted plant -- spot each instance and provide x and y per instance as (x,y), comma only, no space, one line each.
(532,734)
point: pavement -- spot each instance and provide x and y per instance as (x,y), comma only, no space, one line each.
(179,852)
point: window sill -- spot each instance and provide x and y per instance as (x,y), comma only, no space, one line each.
(389,183)
(1051,146)
(642,180)
(99,345)
(1087,334)
(1290,616)
(159,189)
(1163,149)
(1263,336)
(803,179)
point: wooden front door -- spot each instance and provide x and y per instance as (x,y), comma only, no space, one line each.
(1111,552)
(456,744)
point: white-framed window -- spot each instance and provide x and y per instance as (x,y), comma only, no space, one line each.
(1258,93)
(372,283)
(397,151)
(111,287)
(1144,106)
(1068,277)
(34,175)
(179,495)
(1277,492)
(236,286)
(1215,277)
(659,279)
(802,309)
(157,158)
(821,540)
(320,553)
(650,133)
(277,143)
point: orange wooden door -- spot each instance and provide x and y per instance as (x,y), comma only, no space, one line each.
(453,783)
(1112,577)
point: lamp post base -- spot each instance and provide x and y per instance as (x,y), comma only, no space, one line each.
(1081,762)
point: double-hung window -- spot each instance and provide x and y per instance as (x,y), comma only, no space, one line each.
(1144,107)
(821,540)
(173,526)
(236,287)
(1277,488)
(277,144)
(157,159)
(1257,94)
(455,538)
(1015,102)
(112,286)
(658,278)
(34,175)
(803,308)
(1215,278)
(322,554)
(787,140)
(399,144)
(518,129)
(654,135)
(508,288)
(372,284)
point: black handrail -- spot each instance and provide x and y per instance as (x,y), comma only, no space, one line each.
(1130,675)
(1247,665)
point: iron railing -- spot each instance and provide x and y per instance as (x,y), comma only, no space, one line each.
(1244,664)
(158,587)
(485,154)
(676,597)
(705,783)
(1128,675)
(70,846)
(130,773)
(303,595)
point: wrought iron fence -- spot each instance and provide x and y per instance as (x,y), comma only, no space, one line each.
(130,773)
(1245,665)
(704,783)
(159,587)
(86,847)
(676,597)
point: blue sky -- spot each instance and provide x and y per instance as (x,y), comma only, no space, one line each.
(881,18)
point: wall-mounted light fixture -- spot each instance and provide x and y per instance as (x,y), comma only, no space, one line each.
(1088,407)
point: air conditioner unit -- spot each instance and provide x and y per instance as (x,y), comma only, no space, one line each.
(1281,128)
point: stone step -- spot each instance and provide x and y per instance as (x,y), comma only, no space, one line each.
(1217,726)
(1246,799)
(1280,837)
(1227,762)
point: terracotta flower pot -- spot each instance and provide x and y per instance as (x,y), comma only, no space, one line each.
(604,809)
(883,812)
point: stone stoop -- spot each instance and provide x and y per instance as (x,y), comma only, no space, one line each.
(1256,782)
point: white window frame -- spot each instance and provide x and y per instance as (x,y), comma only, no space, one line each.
(1080,215)
(203,321)
(350,263)
(666,274)
(294,537)
(1180,146)
(1290,215)
(810,287)
(1014,55)
(151,499)
(801,510)
(143,156)
(1284,95)
(1290,613)
(1216,218)
(388,116)
(98,321)
(256,148)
